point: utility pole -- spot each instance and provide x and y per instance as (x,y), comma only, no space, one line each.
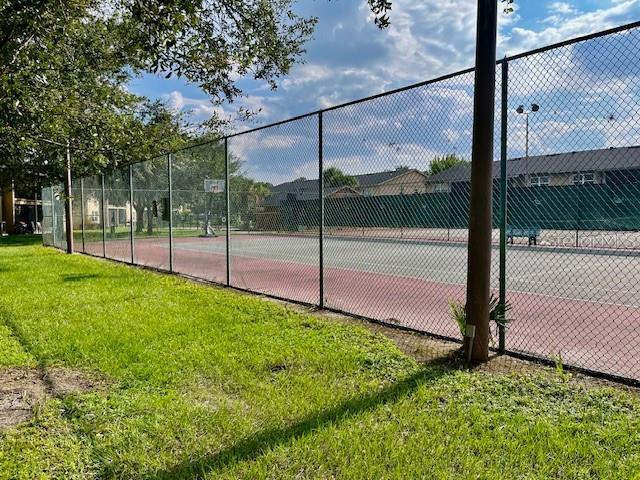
(479,249)
(67,204)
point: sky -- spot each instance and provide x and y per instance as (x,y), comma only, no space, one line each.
(349,58)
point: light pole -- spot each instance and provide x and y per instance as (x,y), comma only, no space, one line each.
(520,110)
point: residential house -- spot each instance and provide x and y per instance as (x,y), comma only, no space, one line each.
(402,181)
(609,166)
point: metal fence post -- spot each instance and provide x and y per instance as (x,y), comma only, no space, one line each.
(104,219)
(321,198)
(68,201)
(577,242)
(503,202)
(133,254)
(53,217)
(449,193)
(227,208)
(82,213)
(170,214)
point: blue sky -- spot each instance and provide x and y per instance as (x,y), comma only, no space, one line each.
(350,58)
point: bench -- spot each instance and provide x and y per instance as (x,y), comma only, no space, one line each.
(530,233)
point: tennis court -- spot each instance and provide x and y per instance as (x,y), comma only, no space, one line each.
(584,306)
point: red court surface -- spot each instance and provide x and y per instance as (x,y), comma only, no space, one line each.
(593,334)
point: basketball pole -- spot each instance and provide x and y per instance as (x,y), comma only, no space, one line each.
(479,245)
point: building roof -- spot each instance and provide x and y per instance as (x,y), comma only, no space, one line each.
(366,180)
(625,158)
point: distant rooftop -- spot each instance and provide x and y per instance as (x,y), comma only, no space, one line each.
(365,180)
(624,158)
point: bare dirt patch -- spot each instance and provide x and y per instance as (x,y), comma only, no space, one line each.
(22,389)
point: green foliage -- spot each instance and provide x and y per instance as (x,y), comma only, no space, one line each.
(245,195)
(559,367)
(334,177)
(63,79)
(508,5)
(497,313)
(380,9)
(65,66)
(458,313)
(444,162)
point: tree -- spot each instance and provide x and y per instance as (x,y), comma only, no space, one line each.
(245,195)
(64,65)
(63,79)
(444,162)
(191,167)
(334,177)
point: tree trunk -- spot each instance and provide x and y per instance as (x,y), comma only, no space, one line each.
(149,221)
(139,217)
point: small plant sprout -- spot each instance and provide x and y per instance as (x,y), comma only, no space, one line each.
(497,314)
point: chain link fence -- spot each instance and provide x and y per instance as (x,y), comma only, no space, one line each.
(363,208)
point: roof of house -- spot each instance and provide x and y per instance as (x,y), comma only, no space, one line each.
(365,180)
(585,161)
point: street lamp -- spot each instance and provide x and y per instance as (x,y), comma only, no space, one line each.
(520,110)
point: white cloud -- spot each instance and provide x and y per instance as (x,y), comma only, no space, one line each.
(200,108)
(562,8)
(568,25)
(351,59)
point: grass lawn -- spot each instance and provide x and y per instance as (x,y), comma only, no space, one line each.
(207,383)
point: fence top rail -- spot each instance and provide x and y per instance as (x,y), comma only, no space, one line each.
(448,76)
(572,41)
(506,59)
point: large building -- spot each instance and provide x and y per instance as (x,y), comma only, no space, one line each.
(612,166)
(587,190)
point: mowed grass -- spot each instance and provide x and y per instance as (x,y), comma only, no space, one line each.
(207,383)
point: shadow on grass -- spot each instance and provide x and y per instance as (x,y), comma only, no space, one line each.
(79,277)
(20,240)
(259,443)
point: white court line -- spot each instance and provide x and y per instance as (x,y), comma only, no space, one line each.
(561,297)
(575,299)
(249,255)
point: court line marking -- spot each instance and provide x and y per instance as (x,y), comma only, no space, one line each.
(428,280)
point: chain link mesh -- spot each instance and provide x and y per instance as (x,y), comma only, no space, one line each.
(93,212)
(47,216)
(574,179)
(353,209)
(199,212)
(117,213)
(272,234)
(58,217)
(151,214)
(76,194)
